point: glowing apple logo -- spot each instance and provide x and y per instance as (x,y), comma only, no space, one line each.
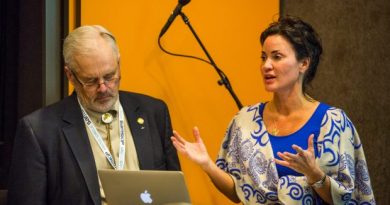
(146,197)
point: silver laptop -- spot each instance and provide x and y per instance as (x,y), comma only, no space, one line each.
(144,187)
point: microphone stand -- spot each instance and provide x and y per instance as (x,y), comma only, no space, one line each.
(224,79)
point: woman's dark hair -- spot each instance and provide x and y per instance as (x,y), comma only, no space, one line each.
(304,40)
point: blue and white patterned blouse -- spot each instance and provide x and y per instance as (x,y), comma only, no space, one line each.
(246,154)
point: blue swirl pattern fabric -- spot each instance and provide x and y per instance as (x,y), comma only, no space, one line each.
(246,154)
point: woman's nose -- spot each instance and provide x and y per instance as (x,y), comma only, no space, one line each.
(267,64)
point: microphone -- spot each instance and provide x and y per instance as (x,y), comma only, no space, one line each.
(173,15)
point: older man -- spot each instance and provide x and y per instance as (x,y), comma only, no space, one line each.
(58,149)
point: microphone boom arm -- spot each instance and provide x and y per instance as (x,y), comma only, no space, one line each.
(224,79)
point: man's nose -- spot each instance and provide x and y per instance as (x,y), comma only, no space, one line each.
(102,85)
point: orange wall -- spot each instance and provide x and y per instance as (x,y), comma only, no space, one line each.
(230,31)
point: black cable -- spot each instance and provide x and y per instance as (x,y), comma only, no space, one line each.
(180,55)
(223,78)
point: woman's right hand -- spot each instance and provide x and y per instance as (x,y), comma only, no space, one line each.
(195,151)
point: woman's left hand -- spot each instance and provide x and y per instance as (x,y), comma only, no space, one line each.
(303,161)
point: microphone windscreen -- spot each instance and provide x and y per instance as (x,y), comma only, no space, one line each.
(184,2)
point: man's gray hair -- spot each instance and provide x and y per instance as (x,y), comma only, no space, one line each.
(83,41)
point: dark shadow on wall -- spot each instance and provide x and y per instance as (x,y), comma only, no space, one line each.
(354,72)
(8,82)
(22,68)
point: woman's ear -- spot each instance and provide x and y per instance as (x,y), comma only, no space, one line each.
(304,65)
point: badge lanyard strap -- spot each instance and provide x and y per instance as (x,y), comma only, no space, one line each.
(99,139)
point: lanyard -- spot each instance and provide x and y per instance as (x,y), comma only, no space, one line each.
(99,139)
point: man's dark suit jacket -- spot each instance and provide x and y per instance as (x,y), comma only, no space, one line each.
(52,161)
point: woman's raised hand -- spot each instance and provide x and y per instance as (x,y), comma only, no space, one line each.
(195,151)
(303,161)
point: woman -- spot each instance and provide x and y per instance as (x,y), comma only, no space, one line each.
(292,149)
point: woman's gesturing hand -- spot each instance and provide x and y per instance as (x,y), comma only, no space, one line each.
(303,161)
(195,151)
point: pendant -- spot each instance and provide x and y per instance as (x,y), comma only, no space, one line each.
(275,131)
(107,118)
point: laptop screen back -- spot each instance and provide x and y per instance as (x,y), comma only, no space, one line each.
(144,187)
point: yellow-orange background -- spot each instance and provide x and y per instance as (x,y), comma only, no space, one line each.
(230,31)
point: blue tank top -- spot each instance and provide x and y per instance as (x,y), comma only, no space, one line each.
(300,137)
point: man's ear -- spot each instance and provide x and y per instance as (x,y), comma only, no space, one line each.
(69,74)
(304,65)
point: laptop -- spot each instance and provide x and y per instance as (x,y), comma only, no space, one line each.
(148,187)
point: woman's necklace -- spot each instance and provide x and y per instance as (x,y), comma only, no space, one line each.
(274,130)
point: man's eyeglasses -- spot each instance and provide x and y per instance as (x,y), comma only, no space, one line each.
(108,80)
